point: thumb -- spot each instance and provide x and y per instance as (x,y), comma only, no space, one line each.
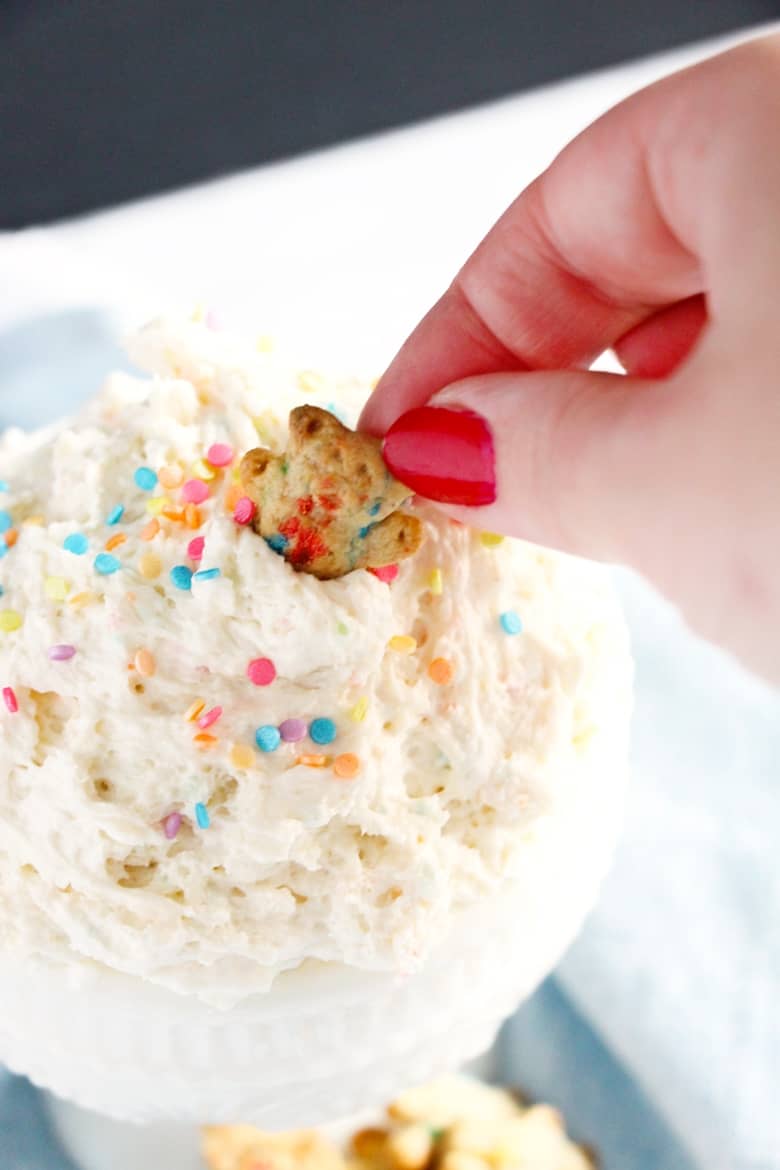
(590,463)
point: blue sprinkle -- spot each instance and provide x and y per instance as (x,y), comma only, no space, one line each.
(6,521)
(76,543)
(2,591)
(206,574)
(202,816)
(268,738)
(372,511)
(363,532)
(105,564)
(145,479)
(339,413)
(4,487)
(322,730)
(115,515)
(3,547)
(277,542)
(511,622)
(181,577)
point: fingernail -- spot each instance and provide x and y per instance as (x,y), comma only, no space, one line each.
(444,455)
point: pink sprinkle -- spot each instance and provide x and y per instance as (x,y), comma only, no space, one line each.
(171,825)
(245,511)
(261,671)
(195,491)
(220,455)
(195,548)
(293,730)
(10,699)
(61,653)
(386,573)
(214,321)
(210,717)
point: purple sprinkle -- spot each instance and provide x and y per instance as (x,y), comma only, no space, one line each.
(171,825)
(292,730)
(61,653)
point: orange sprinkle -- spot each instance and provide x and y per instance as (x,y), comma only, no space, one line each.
(115,541)
(205,741)
(194,710)
(313,761)
(192,516)
(80,599)
(241,755)
(346,765)
(173,512)
(150,530)
(10,537)
(232,496)
(441,671)
(150,566)
(144,663)
(171,477)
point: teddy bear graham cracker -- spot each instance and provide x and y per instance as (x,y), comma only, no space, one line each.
(329,504)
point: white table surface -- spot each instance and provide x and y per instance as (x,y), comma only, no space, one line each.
(337,255)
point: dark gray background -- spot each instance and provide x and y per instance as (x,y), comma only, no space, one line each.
(106,100)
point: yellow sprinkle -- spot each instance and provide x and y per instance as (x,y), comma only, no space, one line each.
(358,713)
(241,755)
(171,477)
(203,470)
(80,599)
(194,710)
(150,566)
(312,761)
(346,765)
(115,541)
(198,313)
(10,620)
(265,344)
(150,530)
(310,382)
(403,644)
(56,588)
(155,506)
(35,521)
(436,582)
(144,663)
(490,539)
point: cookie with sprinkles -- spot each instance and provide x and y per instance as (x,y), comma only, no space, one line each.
(329,504)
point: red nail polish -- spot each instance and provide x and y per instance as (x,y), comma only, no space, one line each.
(445,455)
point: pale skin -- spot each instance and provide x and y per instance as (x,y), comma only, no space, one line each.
(655,233)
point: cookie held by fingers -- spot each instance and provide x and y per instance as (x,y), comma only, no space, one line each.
(329,504)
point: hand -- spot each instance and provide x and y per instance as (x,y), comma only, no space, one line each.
(656,233)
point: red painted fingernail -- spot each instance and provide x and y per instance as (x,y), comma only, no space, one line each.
(445,455)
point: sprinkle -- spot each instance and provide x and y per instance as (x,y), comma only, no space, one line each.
(105,564)
(10,620)
(76,543)
(173,512)
(144,663)
(181,577)
(244,511)
(292,730)
(490,539)
(81,599)
(342,628)
(10,700)
(204,741)
(358,713)
(346,765)
(194,710)
(207,574)
(171,477)
(322,730)
(11,537)
(171,825)
(436,582)
(209,718)
(261,671)
(386,573)
(34,521)
(312,761)
(264,343)
(61,653)
(403,644)
(277,542)
(220,455)
(145,479)
(510,622)
(213,321)
(195,491)
(195,548)
(150,530)
(116,540)
(267,738)
(4,486)
(56,588)
(150,566)
(232,496)
(155,506)
(3,547)
(192,516)
(115,515)
(202,470)
(241,755)
(441,671)
(202,815)
(372,511)
(6,521)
